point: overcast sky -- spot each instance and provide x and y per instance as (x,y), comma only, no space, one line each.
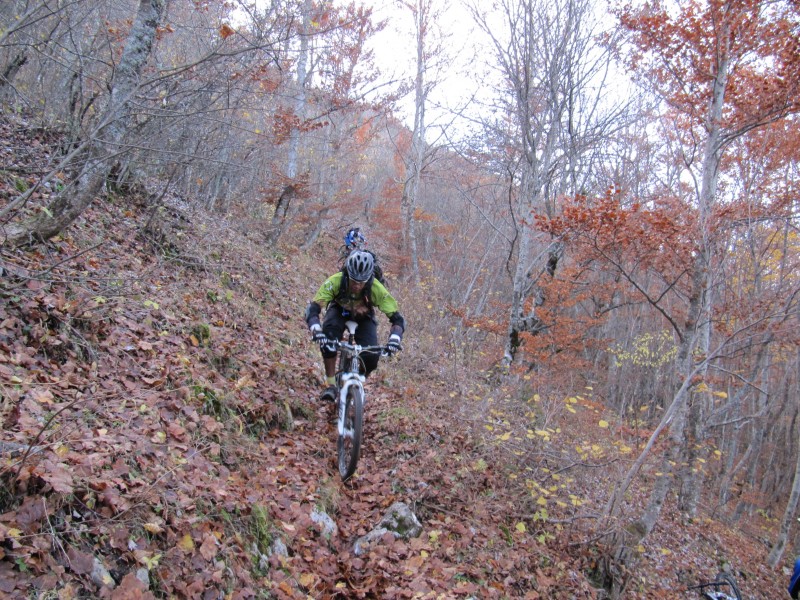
(395,54)
(395,51)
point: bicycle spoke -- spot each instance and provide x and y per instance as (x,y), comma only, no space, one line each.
(349,442)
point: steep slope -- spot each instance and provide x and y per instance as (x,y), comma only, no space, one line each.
(162,434)
(156,360)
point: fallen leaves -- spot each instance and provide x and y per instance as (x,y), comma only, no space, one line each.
(80,563)
(57,475)
(153,528)
(186,543)
(209,547)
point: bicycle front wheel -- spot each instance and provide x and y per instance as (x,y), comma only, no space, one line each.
(349,443)
(727,579)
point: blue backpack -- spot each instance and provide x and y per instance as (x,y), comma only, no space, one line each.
(794,582)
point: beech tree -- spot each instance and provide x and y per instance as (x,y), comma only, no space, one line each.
(724,69)
(429,58)
(206,110)
(349,99)
(553,72)
(54,55)
(99,149)
(334,75)
(294,120)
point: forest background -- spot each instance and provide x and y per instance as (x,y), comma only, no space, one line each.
(601,282)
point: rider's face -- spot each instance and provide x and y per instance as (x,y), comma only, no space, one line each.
(357,286)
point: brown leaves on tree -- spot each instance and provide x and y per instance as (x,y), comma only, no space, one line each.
(225,31)
(756,42)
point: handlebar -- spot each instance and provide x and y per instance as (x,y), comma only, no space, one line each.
(358,349)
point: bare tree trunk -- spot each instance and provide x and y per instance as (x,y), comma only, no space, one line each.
(673,413)
(427,51)
(315,232)
(751,478)
(34,11)
(327,187)
(695,332)
(285,204)
(106,141)
(776,553)
(691,475)
(477,271)
(9,72)
(731,450)
(675,417)
(546,66)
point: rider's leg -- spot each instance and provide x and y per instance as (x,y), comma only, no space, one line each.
(330,368)
(367,335)
(333,327)
(329,360)
(333,323)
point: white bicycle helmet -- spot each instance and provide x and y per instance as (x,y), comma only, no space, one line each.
(360,265)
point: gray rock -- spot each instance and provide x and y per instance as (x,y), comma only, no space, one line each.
(360,547)
(399,521)
(279,548)
(327,525)
(100,575)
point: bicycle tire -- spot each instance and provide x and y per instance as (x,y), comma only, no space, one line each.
(348,445)
(727,578)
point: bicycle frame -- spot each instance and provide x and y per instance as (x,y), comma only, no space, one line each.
(349,372)
(350,402)
(713,590)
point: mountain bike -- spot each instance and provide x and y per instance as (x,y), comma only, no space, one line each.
(722,588)
(350,400)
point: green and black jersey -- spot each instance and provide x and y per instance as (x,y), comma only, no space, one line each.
(378,296)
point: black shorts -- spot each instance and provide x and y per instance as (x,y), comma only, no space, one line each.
(366,334)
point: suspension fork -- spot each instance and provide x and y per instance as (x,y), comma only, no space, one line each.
(348,380)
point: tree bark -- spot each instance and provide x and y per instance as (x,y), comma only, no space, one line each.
(285,205)
(424,19)
(10,70)
(776,553)
(696,332)
(106,141)
(730,449)
(547,70)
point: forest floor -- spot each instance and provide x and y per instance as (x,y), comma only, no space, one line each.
(156,359)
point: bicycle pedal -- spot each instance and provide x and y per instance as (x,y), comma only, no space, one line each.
(329,395)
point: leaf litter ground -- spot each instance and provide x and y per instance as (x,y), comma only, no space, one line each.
(156,360)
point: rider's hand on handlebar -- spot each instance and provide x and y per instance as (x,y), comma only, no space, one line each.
(318,335)
(393,345)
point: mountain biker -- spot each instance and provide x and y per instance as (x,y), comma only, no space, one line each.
(354,239)
(352,294)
